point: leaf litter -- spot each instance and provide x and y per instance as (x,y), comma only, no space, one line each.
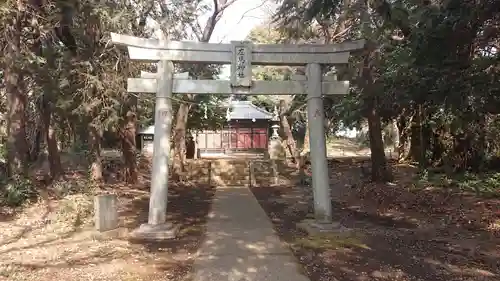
(404,230)
(54,238)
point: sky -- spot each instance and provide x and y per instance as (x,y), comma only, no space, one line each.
(237,22)
(240,18)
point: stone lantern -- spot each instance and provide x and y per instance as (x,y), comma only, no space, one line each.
(275,149)
(275,124)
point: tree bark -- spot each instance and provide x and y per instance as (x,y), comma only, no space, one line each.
(404,138)
(395,136)
(380,171)
(416,139)
(95,136)
(306,147)
(35,146)
(180,140)
(51,140)
(46,114)
(183,112)
(128,129)
(44,105)
(290,141)
(54,157)
(127,135)
(304,154)
(17,146)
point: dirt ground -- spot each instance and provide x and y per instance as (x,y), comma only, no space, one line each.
(55,240)
(397,232)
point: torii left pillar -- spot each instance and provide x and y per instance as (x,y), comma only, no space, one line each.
(157,227)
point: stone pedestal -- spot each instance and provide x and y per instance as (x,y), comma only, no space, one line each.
(150,232)
(276,150)
(276,153)
(251,169)
(106,214)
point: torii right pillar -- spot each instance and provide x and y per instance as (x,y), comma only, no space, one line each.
(317,139)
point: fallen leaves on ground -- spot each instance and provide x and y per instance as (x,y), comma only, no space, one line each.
(55,238)
(404,230)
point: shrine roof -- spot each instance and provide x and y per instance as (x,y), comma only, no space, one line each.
(242,110)
(149,130)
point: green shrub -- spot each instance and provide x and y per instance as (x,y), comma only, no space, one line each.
(484,184)
(3,153)
(17,191)
(79,148)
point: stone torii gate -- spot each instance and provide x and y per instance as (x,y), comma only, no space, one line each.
(241,56)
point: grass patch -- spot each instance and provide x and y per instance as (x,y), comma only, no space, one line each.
(483,184)
(330,241)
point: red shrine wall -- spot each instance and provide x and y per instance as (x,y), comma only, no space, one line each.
(237,135)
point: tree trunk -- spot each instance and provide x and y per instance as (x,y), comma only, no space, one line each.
(56,169)
(395,136)
(304,154)
(380,171)
(95,136)
(416,149)
(290,142)
(17,146)
(482,141)
(50,89)
(404,139)
(51,139)
(35,146)
(182,113)
(180,140)
(127,135)
(306,147)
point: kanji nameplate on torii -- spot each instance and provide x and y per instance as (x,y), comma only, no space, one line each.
(241,64)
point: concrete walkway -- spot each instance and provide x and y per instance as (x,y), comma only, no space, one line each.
(241,244)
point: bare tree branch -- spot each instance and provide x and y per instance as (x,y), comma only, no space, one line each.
(216,6)
(342,18)
(244,15)
(335,36)
(219,7)
(225,4)
(195,27)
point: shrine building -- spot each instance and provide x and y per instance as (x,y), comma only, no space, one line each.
(247,130)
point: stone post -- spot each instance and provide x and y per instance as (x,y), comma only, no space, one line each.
(106,213)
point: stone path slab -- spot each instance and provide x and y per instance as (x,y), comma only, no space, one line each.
(241,244)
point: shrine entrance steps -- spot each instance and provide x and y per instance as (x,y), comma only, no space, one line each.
(232,154)
(239,172)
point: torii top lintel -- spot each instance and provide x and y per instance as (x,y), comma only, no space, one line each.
(261,54)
